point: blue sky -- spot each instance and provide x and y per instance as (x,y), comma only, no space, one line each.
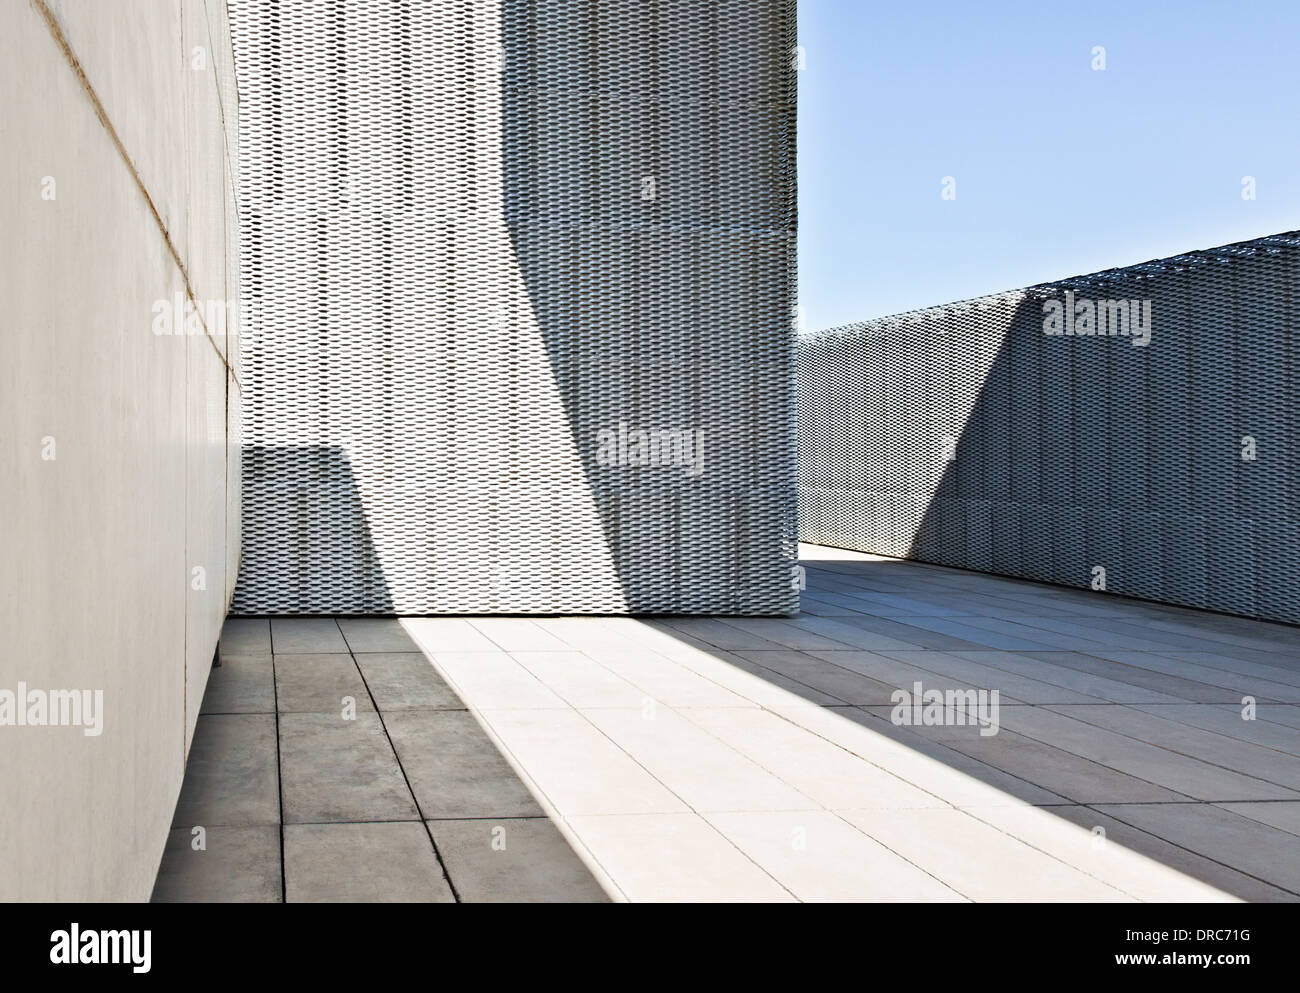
(1060,169)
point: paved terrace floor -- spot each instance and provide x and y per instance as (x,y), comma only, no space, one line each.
(755,759)
(331,763)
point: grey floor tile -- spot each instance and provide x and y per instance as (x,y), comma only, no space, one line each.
(513,861)
(937,675)
(1189,776)
(1240,842)
(1231,686)
(852,636)
(236,865)
(339,770)
(246,636)
(722,635)
(376,634)
(230,778)
(1281,814)
(362,863)
(310,635)
(243,684)
(454,767)
(1077,635)
(925,605)
(1054,769)
(1231,753)
(1229,632)
(828,605)
(1129,669)
(1279,713)
(1226,719)
(1013,786)
(904,636)
(1174,638)
(1207,870)
(826,677)
(407,681)
(1086,683)
(1010,685)
(772,677)
(319,684)
(1001,640)
(1061,771)
(784,632)
(1277,671)
(1021,630)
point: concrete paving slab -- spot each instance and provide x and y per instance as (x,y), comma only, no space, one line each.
(310,635)
(376,634)
(242,684)
(319,684)
(454,768)
(513,860)
(235,865)
(340,770)
(406,681)
(362,863)
(231,777)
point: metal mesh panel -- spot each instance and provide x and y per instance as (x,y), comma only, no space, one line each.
(966,435)
(480,236)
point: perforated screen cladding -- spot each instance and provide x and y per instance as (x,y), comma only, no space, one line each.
(477,234)
(1173,466)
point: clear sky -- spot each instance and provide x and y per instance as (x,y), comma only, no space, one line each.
(1059,169)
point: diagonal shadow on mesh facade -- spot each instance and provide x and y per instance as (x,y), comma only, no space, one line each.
(477,235)
(967,436)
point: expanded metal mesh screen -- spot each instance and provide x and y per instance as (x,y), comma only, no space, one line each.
(518,289)
(969,436)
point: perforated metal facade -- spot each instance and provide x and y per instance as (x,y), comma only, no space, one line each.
(1171,465)
(482,237)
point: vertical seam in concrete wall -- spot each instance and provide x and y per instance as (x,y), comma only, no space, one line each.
(61,40)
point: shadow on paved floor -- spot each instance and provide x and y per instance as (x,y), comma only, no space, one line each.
(1129,719)
(332,763)
(1120,735)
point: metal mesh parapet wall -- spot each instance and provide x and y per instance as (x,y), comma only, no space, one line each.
(968,436)
(519,285)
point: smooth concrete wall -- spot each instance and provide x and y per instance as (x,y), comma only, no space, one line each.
(116,476)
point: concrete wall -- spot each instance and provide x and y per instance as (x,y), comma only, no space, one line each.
(966,435)
(117,136)
(478,234)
